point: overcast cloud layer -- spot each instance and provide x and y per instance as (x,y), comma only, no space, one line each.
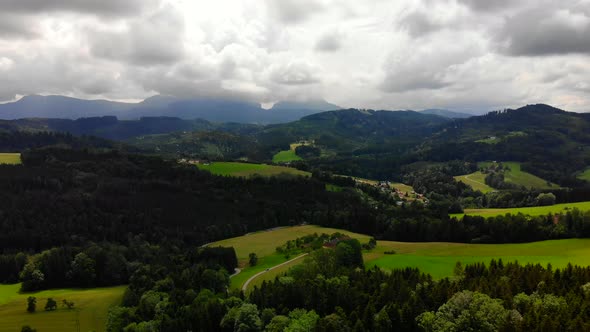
(383,54)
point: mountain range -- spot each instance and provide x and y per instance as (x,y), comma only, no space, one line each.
(210,109)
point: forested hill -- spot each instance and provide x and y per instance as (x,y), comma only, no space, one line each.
(65,196)
(551,143)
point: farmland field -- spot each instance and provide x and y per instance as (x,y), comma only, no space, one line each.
(89,313)
(264,244)
(245,169)
(515,175)
(533,211)
(10,158)
(287,155)
(476,181)
(439,258)
(436,258)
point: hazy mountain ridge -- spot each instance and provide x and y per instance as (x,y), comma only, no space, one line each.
(210,109)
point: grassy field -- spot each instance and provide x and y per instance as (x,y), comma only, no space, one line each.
(287,155)
(515,175)
(245,169)
(264,244)
(436,258)
(403,187)
(439,259)
(533,211)
(585,175)
(89,313)
(10,158)
(476,181)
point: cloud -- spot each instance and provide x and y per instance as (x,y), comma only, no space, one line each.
(546,31)
(381,54)
(329,42)
(488,5)
(101,7)
(293,11)
(157,39)
(426,67)
(15,27)
(295,73)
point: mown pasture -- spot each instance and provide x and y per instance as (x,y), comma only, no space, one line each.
(439,258)
(436,258)
(246,169)
(476,181)
(514,174)
(532,211)
(287,155)
(517,176)
(89,313)
(264,244)
(10,158)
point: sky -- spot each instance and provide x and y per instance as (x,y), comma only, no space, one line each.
(381,54)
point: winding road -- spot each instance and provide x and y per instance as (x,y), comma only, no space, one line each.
(245,286)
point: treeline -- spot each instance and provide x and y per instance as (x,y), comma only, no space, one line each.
(331,291)
(99,265)
(70,197)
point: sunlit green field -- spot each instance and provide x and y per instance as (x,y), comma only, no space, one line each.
(89,313)
(533,211)
(439,259)
(515,175)
(436,258)
(264,244)
(245,169)
(287,155)
(10,158)
(476,181)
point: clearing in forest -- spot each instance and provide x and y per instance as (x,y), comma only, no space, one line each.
(10,158)
(88,314)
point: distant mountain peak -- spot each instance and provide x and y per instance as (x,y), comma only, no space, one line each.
(314,105)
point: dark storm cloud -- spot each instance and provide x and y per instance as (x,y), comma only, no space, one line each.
(99,7)
(546,31)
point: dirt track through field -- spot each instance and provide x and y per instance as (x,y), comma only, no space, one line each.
(245,286)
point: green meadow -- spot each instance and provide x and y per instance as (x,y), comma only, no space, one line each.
(89,313)
(515,175)
(264,244)
(476,181)
(439,258)
(246,169)
(287,155)
(533,211)
(436,258)
(10,158)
